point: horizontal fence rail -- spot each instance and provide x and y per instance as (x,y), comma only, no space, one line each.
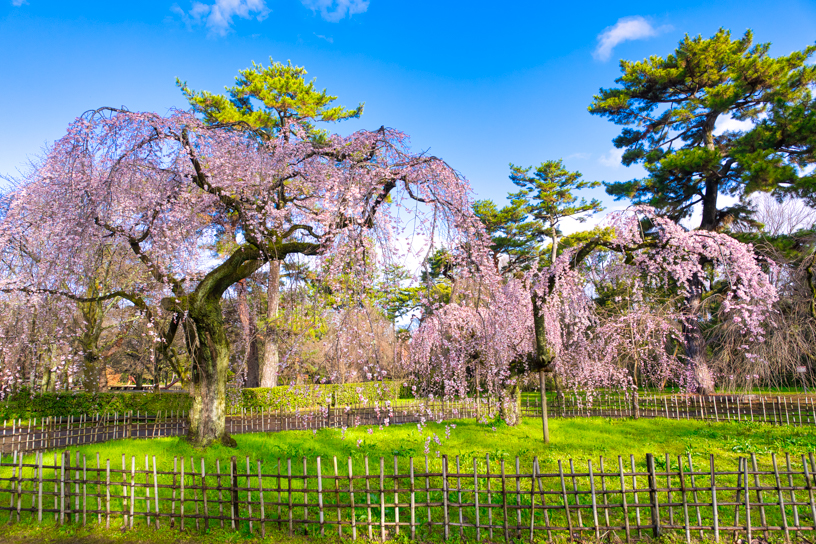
(472,498)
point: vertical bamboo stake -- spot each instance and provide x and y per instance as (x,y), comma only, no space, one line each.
(39,486)
(289,493)
(669,487)
(747,497)
(280,518)
(84,493)
(684,498)
(62,488)
(204,495)
(715,513)
(575,492)
(694,494)
(761,503)
(305,500)
(220,492)
(249,486)
(634,488)
(261,497)
(368,499)
(132,488)
(809,484)
(234,515)
(125,494)
(475,499)
(173,499)
(181,498)
(790,484)
(98,491)
(780,499)
(594,500)
(337,498)
(156,491)
(603,491)
(396,497)
(351,497)
(653,501)
(489,497)
(413,498)
(624,504)
(532,497)
(107,493)
(320,497)
(459,497)
(147,490)
(565,498)
(382,499)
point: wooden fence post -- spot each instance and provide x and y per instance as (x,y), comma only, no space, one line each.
(234,492)
(653,500)
(66,480)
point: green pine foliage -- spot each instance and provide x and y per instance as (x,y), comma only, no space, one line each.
(669,108)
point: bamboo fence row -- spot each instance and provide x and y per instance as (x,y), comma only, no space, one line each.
(55,432)
(796,411)
(474,498)
(65,431)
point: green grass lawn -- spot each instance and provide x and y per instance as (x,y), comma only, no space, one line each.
(581,440)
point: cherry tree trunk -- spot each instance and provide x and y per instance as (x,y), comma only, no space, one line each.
(694,341)
(209,348)
(271,362)
(94,372)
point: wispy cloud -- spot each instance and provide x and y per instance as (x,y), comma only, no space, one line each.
(335,10)
(729,124)
(626,29)
(579,156)
(322,37)
(611,158)
(218,16)
(18,3)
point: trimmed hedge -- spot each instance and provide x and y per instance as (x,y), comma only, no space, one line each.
(76,403)
(304,396)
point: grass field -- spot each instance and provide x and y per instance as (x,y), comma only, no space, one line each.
(577,439)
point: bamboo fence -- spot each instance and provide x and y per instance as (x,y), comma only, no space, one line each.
(472,498)
(65,431)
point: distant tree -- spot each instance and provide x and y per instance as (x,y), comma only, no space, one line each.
(514,235)
(548,196)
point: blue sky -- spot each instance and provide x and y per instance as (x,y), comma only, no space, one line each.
(480,84)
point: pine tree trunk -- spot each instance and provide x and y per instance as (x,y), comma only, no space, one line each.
(269,371)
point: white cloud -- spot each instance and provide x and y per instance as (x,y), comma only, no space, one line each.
(18,3)
(611,158)
(726,124)
(218,16)
(580,156)
(334,10)
(322,37)
(626,29)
